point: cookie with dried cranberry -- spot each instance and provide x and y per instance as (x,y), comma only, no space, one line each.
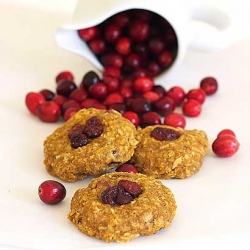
(120,206)
(89,143)
(166,152)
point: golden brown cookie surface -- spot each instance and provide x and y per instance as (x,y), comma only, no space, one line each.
(178,158)
(151,211)
(113,147)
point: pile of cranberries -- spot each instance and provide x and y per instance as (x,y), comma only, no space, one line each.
(136,41)
(138,99)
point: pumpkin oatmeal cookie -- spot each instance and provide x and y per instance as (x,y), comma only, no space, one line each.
(120,206)
(89,143)
(166,152)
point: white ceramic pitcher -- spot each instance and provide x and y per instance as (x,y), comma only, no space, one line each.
(179,13)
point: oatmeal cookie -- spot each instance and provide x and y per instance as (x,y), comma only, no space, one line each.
(152,209)
(89,153)
(165,152)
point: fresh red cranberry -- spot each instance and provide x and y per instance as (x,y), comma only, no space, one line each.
(142,50)
(175,120)
(64,75)
(121,19)
(112,72)
(126,92)
(48,94)
(177,94)
(98,45)
(165,58)
(156,45)
(65,87)
(78,94)
(151,96)
(170,37)
(150,118)
(112,32)
(98,105)
(33,100)
(209,85)
(140,72)
(153,68)
(113,98)
(143,15)
(48,111)
(226,132)
(88,102)
(113,59)
(159,90)
(164,105)
(98,90)
(123,45)
(68,113)
(132,117)
(120,107)
(127,167)
(138,104)
(60,100)
(139,30)
(127,82)
(89,79)
(225,145)
(133,61)
(51,192)
(143,84)
(197,94)
(88,34)
(112,83)
(71,103)
(191,108)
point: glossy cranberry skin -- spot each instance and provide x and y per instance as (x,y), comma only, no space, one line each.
(151,96)
(138,105)
(123,45)
(177,94)
(120,107)
(78,95)
(111,72)
(70,104)
(133,61)
(159,90)
(143,84)
(164,105)
(165,58)
(64,75)
(65,87)
(60,100)
(225,145)
(126,92)
(153,68)
(112,83)
(175,120)
(33,100)
(226,132)
(89,33)
(191,108)
(48,94)
(113,98)
(112,32)
(48,111)
(156,45)
(209,85)
(139,30)
(69,113)
(132,117)
(51,192)
(126,167)
(150,118)
(88,102)
(98,105)
(121,19)
(97,46)
(197,94)
(98,90)
(113,59)
(89,79)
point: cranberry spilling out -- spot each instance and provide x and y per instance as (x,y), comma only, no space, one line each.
(125,192)
(51,192)
(133,39)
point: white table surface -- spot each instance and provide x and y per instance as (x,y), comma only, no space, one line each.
(213,205)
